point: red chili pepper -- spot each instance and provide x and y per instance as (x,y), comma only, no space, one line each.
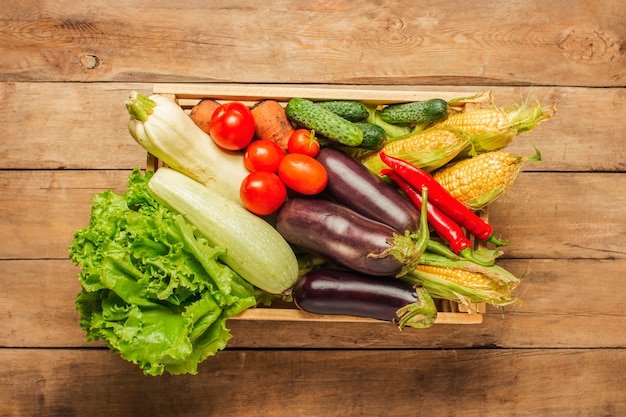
(446,228)
(440,197)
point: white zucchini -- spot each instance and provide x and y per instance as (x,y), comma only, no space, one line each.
(163,129)
(254,249)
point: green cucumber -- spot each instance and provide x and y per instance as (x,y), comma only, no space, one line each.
(392,130)
(351,110)
(416,112)
(374,136)
(307,114)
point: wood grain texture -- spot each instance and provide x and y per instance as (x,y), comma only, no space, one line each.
(546,215)
(559,309)
(66,126)
(339,42)
(84,125)
(563,215)
(41,209)
(66,68)
(322,383)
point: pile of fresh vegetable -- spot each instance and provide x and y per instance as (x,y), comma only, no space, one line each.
(338,206)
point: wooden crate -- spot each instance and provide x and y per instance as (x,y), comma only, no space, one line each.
(188,95)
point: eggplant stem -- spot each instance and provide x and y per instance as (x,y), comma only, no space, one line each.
(409,248)
(423,236)
(421,314)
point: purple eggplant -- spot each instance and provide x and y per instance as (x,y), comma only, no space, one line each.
(335,292)
(353,185)
(343,236)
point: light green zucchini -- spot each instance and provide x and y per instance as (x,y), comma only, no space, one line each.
(163,129)
(254,249)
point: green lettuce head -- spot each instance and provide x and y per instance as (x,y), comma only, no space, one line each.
(153,289)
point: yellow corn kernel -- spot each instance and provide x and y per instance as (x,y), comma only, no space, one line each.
(478,120)
(478,181)
(491,128)
(466,284)
(425,141)
(470,279)
(429,149)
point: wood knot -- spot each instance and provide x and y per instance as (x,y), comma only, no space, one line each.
(395,23)
(591,46)
(89,61)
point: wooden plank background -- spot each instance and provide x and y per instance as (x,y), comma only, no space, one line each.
(66,68)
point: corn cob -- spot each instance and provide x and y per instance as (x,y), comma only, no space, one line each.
(464,281)
(478,181)
(463,286)
(428,149)
(491,128)
(460,276)
(478,120)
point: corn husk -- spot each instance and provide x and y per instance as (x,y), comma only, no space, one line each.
(497,288)
(492,128)
(420,150)
(478,181)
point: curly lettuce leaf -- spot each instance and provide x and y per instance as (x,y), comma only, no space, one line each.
(153,289)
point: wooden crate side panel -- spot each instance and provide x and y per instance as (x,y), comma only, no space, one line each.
(190,93)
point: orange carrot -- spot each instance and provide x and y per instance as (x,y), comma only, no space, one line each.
(272,122)
(202,112)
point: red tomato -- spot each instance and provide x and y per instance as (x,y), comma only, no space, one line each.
(262,192)
(303,141)
(303,173)
(232,126)
(263,155)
